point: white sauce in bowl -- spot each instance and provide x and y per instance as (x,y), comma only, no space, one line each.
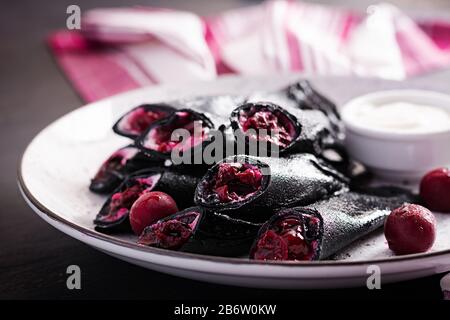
(399,117)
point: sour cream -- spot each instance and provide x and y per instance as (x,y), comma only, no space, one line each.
(398,134)
(399,117)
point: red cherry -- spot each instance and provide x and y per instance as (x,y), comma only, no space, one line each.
(435,190)
(149,208)
(410,229)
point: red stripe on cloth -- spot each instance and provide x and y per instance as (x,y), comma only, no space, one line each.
(439,32)
(419,57)
(214,46)
(95,74)
(351,21)
(294,51)
(275,36)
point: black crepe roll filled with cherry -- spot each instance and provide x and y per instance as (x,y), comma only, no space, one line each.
(114,214)
(159,142)
(282,130)
(318,231)
(301,95)
(251,188)
(118,166)
(136,121)
(307,97)
(197,230)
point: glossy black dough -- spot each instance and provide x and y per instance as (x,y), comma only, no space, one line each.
(298,180)
(316,113)
(167,109)
(197,116)
(214,111)
(312,127)
(112,176)
(301,95)
(179,185)
(308,98)
(354,214)
(348,216)
(218,234)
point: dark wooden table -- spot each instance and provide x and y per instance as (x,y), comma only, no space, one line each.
(33,255)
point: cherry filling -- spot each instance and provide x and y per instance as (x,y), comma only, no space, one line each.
(172,233)
(115,163)
(121,202)
(235,182)
(160,137)
(288,238)
(263,124)
(138,120)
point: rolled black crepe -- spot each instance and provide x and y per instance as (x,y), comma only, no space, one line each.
(308,98)
(326,226)
(214,113)
(182,118)
(301,95)
(136,121)
(323,130)
(121,163)
(197,230)
(113,216)
(301,130)
(285,182)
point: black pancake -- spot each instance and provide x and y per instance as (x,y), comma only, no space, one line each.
(302,95)
(179,185)
(324,131)
(339,220)
(297,180)
(118,166)
(308,98)
(169,124)
(310,130)
(137,116)
(211,233)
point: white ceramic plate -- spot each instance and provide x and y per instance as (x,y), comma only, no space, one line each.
(57,166)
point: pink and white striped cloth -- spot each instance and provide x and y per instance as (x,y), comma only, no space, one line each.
(124,48)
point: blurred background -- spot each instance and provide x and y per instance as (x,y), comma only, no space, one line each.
(33,93)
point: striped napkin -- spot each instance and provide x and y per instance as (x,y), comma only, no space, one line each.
(118,49)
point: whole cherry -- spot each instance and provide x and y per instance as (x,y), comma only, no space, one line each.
(149,208)
(410,229)
(435,190)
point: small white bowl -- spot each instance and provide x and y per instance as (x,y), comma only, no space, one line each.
(397,155)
